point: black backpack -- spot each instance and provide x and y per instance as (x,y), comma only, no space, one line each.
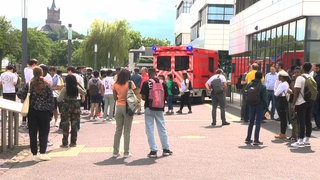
(175,88)
(253,93)
(216,85)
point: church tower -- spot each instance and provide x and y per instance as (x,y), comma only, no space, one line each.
(53,17)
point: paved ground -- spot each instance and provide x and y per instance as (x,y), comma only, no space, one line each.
(200,152)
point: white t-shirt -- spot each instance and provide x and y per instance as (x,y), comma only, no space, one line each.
(56,92)
(28,74)
(300,81)
(282,89)
(80,81)
(184,86)
(8,80)
(48,78)
(108,83)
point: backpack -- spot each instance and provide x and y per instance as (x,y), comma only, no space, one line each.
(131,101)
(93,87)
(216,86)
(175,88)
(310,89)
(253,93)
(238,84)
(156,95)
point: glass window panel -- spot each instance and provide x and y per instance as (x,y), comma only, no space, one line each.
(164,63)
(292,31)
(314,53)
(229,10)
(301,26)
(313,29)
(181,63)
(228,17)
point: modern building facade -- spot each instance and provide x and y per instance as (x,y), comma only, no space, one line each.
(272,30)
(204,23)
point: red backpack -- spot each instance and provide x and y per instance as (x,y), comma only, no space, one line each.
(156,95)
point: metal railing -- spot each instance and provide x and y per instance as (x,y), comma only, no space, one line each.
(10,111)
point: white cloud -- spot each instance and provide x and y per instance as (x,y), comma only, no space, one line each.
(81,13)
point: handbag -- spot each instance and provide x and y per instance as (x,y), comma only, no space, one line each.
(26,102)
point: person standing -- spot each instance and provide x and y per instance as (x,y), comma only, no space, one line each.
(96,90)
(56,87)
(8,80)
(70,110)
(86,79)
(28,75)
(185,97)
(136,78)
(41,106)
(303,108)
(170,94)
(256,111)
(244,107)
(155,115)
(316,105)
(109,101)
(123,119)
(270,81)
(218,98)
(281,94)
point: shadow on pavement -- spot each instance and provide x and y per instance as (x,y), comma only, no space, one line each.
(306,149)
(24,164)
(111,161)
(251,147)
(142,162)
(212,127)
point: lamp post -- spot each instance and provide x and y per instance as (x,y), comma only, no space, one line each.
(115,61)
(95,56)
(24,38)
(69,44)
(108,60)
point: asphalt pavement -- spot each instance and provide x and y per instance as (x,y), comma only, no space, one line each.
(200,151)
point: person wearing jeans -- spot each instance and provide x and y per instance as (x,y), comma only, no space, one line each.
(256,111)
(152,115)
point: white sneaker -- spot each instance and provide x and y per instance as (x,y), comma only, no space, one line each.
(289,126)
(49,143)
(116,155)
(306,141)
(297,144)
(44,157)
(35,157)
(127,155)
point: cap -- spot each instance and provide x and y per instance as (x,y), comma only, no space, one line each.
(283,73)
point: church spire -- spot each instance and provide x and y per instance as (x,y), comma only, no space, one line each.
(53,6)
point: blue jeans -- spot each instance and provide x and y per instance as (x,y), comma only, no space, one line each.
(255,115)
(152,116)
(271,98)
(170,100)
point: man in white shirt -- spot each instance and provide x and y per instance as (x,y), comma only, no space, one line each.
(56,87)
(28,71)
(302,108)
(8,80)
(218,98)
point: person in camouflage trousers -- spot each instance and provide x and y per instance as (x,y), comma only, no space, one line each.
(70,110)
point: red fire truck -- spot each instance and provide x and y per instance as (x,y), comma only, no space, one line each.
(199,64)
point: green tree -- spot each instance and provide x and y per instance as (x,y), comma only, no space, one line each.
(59,53)
(109,37)
(39,46)
(8,41)
(149,42)
(135,39)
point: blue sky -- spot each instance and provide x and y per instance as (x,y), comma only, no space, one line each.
(153,18)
